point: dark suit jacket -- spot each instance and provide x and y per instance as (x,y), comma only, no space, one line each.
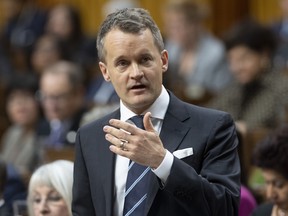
(205,183)
(264,209)
(43,129)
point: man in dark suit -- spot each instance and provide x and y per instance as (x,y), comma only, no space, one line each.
(188,153)
(61,95)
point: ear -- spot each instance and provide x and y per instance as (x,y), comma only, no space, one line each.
(104,71)
(164,59)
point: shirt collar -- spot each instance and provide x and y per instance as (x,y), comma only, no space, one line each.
(158,108)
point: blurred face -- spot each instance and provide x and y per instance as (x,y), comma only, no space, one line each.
(59,22)
(135,67)
(57,96)
(284,6)
(245,64)
(45,54)
(179,30)
(47,201)
(276,188)
(22,108)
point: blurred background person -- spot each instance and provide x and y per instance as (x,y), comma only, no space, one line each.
(270,156)
(61,95)
(50,189)
(257,97)
(47,50)
(64,22)
(20,147)
(24,24)
(197,64)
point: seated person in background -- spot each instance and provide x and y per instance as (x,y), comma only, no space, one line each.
(20,148)
(197,63)
(270,156)
(64,22)
(23,23)
(47,50)
(61,94)
(50,189)
(256,99)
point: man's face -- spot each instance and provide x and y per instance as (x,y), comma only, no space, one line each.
(135,67)
(57,96)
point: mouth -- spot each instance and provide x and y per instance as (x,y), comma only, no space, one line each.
(138,87)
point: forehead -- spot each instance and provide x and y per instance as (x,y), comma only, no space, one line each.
(116,40)
(43,189)
(55,81)
(271,175)
(240,50)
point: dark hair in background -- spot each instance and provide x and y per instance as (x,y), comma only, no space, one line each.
(58,45)
(75,18)
(23,82)
(253,35)
(272,152)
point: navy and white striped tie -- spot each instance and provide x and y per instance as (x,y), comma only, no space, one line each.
(137,183)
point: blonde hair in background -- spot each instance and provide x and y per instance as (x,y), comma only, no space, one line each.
(58,175)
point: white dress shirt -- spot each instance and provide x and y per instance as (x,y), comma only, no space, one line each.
(158,111)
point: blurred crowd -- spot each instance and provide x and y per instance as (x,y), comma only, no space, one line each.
(50,83)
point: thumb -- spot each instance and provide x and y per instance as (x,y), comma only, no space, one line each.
(148,123)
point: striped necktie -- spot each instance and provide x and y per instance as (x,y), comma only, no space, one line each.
(137,183)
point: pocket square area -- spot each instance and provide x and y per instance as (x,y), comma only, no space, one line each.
(182,153)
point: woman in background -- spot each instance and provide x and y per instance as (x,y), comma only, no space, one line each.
(19,145)
(257,97)
(270,156)
(50,189)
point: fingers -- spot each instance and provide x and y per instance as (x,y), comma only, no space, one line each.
(116,133)
(148,123)
(123,126)
(119,132)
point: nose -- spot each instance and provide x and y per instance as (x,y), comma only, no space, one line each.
(43,207)
(136,73)
(270,192)
(235,66)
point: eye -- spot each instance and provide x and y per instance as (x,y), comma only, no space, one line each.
(36,200)
(54,198)
(122,63)
(279,184)
(146,59)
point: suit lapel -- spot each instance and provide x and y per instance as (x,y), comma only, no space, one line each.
(172,133)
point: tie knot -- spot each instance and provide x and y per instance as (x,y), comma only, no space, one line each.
(138,121)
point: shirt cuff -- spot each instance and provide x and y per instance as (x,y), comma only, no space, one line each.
(163,170)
